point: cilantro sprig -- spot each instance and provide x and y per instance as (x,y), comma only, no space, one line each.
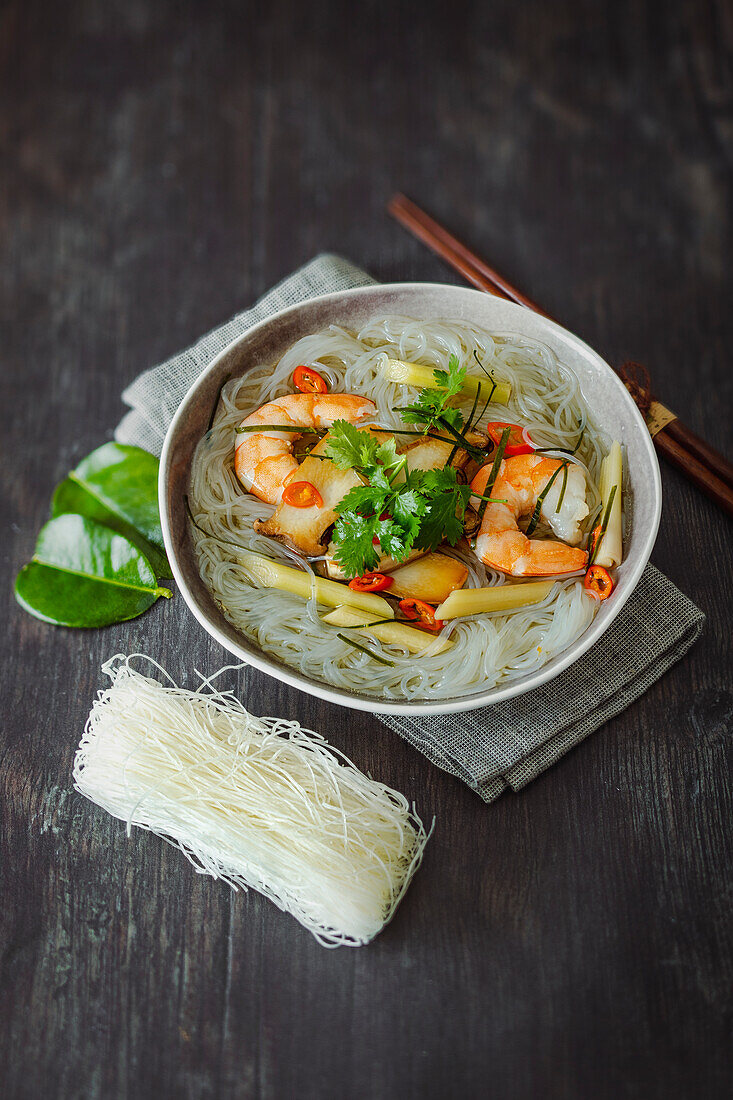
(432,405)
(395,509)
(433,410)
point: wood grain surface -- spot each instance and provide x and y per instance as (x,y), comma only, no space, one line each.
(163,164)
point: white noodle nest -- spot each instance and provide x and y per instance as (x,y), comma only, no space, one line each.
(256,802)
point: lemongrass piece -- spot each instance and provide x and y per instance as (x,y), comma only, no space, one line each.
(610,549)
(415,641)
(417,374)
(273,574)
(256,802)
(503,597)
(430,578)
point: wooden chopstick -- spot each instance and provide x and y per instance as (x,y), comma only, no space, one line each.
(701,463)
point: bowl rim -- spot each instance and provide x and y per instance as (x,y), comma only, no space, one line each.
(272,666)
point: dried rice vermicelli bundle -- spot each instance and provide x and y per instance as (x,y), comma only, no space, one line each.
(257,802)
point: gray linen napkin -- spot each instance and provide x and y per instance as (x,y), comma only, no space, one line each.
(510,743)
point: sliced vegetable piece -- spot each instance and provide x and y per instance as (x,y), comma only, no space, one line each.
(302,494)
(86,575)
(273,574)
(422,376)
(518,442)
(599,580)
(503,597)
(431,578)
(419,609)
(610,548)
(370,582)
(308,380)
(415,641)
(117,485)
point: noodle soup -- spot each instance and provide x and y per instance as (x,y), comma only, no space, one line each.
(487,650)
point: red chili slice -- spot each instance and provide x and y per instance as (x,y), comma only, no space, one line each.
(599,580)
(518,442)
(370,582)
(301,494)
(308,380)
(425,612)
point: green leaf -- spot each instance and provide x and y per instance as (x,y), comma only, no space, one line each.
(431,407)
(83,574)
(453,379)
(350,448)
(355,552)
(387,454)
(117,486)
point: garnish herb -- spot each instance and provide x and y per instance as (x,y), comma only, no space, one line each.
(604,525)
(396,509)
(275,428)
(541,499)
(565,450)
(365,649)
(494,473)
(561,498)
(433,410)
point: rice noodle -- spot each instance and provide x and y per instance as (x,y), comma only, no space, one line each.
(257,802)
(546,399)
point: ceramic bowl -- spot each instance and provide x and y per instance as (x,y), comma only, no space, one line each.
(612,407)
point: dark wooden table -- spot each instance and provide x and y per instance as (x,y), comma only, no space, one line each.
(164,164)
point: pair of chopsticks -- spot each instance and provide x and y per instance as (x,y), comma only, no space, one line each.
(702,464)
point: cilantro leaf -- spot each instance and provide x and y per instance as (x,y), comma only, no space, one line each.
(407,504)
(431,407)
(353,448)
(355,550)
(453,379)
(387,454)
(445,506)
(391,538)
(348,447)
(364,499)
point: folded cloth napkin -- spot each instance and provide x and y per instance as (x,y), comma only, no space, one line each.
(508,744)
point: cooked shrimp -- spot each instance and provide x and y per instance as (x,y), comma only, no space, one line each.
(521,479)
(263,461)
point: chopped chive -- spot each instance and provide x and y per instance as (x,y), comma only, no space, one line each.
(483,368)
(494,472)
(276,428)
(365,649)
(540,501)
(468,424)
(216,403)
(475,452)
(565,450)
(486,405)
(561,498)
(426,434)
(604,525)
